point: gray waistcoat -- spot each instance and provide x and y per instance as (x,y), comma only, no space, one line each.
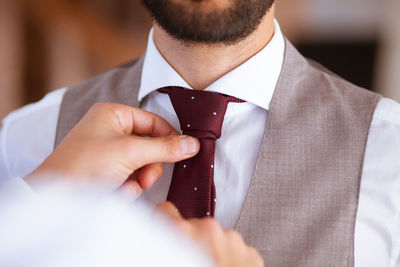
(302,203)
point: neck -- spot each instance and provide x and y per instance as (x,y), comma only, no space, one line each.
(200,65)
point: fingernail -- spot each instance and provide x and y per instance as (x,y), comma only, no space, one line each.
(188,144)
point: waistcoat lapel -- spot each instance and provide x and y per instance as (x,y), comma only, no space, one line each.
(119,85)
(302,202)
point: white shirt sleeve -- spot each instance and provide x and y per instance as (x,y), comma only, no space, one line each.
(27,136)
(80,228)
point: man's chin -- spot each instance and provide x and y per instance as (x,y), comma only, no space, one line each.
(208,21)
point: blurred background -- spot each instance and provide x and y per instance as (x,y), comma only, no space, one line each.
(48,44)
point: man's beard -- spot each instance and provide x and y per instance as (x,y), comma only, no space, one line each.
(193,21)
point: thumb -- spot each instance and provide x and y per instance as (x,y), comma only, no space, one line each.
(173,148)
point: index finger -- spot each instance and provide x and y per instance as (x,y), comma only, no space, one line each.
(148,123)
(141,122)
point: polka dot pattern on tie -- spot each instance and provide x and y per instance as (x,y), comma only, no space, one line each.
(201,115)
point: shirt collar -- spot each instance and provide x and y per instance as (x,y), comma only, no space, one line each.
(253,81)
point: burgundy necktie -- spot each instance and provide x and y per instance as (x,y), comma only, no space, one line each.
(200,114)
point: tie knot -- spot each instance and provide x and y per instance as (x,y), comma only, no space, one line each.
(200,113)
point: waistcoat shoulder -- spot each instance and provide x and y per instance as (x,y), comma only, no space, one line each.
(118,85)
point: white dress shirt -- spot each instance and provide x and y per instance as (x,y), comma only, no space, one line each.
(28,137)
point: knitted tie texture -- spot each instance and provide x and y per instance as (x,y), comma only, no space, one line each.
(201,115)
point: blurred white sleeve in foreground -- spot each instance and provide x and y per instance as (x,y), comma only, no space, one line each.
(65,227)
